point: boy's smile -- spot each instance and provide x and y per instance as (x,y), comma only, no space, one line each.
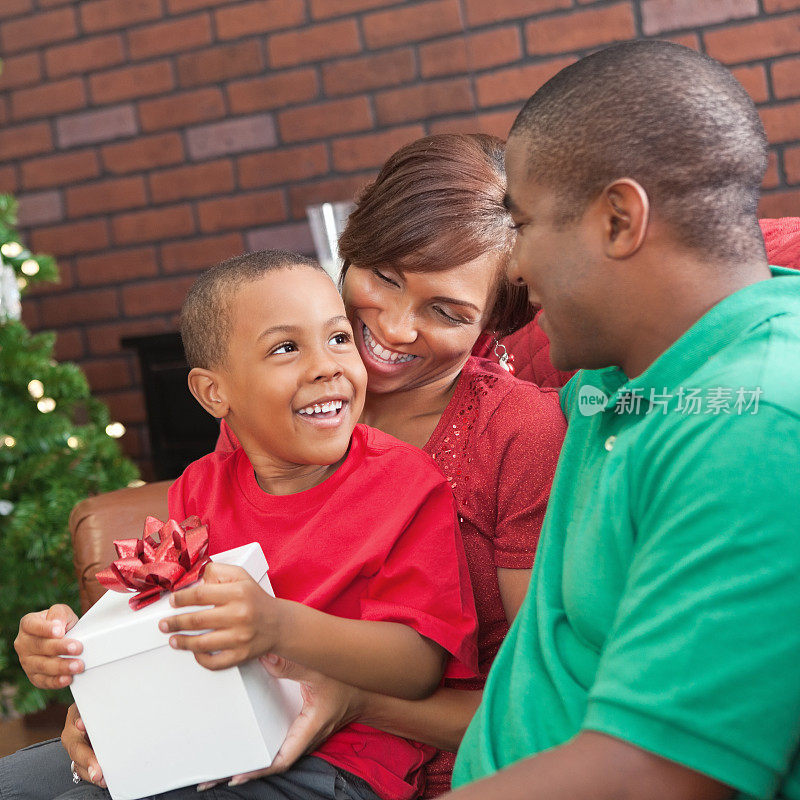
(292,386)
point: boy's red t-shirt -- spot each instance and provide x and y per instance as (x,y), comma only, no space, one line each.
(378,540)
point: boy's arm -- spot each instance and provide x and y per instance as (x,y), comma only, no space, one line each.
(246,623)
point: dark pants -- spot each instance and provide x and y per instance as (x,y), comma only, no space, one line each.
(42,772)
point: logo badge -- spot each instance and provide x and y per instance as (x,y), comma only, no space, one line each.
(591,400)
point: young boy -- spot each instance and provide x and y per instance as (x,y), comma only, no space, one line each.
(371,582)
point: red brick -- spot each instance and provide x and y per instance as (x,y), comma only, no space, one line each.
(371,150)
(580,30)
(24,140)
(325,119)
(155,297)
(294,236)
(216,64)
(497,123)
(309,194)
(102,15)
(323,9)
(84,306)
(153,224)
(754,80)
(762,39)
(515,83)
(785,81)
(482,12)
(4,112)
(69,345)
(72,237)
(782,123)
(771,176)
(84,55)
(443,57)
(242,211)
(143,153)
(272,91)
(231,136)
(355,75)
(779,204)
(182,6)
(282,166)
(791,165)
(314,43)
(182,109)
(493,48)
(116,266)
(774,6)
(40,208)
(48,99)
(21,70)
(126,407)
(261,16)
(108,374)
(116,194)
(194,180)
(686,39)
(51,3)
(60,170)
(667,15)
(104,338)
(131,81)
(13,8)
(412,24)
(433,99)
(91,127)
(8,180)
(170,37)
(467,123)
(200,252)
(65,282)
(41,29)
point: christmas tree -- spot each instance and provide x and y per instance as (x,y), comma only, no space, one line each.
(57,446)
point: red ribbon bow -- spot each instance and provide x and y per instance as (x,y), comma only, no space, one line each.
(150,567)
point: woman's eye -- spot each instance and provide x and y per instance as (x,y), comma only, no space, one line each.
(449,317)
(339,338)
(286,347)
(385,278)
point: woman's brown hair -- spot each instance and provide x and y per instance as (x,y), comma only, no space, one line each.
(437,203)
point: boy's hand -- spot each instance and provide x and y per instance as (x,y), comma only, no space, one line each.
(40,644)
(244,623)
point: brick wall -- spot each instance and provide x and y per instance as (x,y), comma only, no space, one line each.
(149,138)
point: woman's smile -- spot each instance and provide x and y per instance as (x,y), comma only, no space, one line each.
(373,352)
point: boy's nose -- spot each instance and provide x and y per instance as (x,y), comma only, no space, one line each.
(325,368)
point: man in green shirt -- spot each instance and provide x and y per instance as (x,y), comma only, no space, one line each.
(657,653)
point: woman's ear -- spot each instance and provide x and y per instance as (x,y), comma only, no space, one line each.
(626,210)
(208,390)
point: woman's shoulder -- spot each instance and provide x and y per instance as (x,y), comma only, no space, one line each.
(494,394)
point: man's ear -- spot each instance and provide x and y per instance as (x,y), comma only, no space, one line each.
(208,390)
(626,212)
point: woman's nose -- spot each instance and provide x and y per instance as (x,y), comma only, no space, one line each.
(398,326)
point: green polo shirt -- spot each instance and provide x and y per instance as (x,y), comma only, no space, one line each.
(664,607)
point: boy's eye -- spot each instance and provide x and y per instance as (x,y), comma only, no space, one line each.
(286,347)
(340,338)
(385,278)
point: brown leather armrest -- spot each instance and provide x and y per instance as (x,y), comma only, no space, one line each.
(96,522)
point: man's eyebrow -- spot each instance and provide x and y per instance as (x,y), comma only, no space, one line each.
(454,301)
(508,203)
(290,330)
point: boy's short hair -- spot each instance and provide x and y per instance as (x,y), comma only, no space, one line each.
(674,120)
(206,319)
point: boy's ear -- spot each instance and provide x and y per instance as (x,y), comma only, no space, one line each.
(626,213)
(207,388)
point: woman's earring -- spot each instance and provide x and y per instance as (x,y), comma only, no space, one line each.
(504,359)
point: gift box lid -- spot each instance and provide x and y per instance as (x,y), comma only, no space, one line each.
(111,630)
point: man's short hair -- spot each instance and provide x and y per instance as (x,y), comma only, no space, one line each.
(206,320)
(666,116)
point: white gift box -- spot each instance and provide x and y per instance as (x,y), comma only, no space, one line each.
(157,720)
